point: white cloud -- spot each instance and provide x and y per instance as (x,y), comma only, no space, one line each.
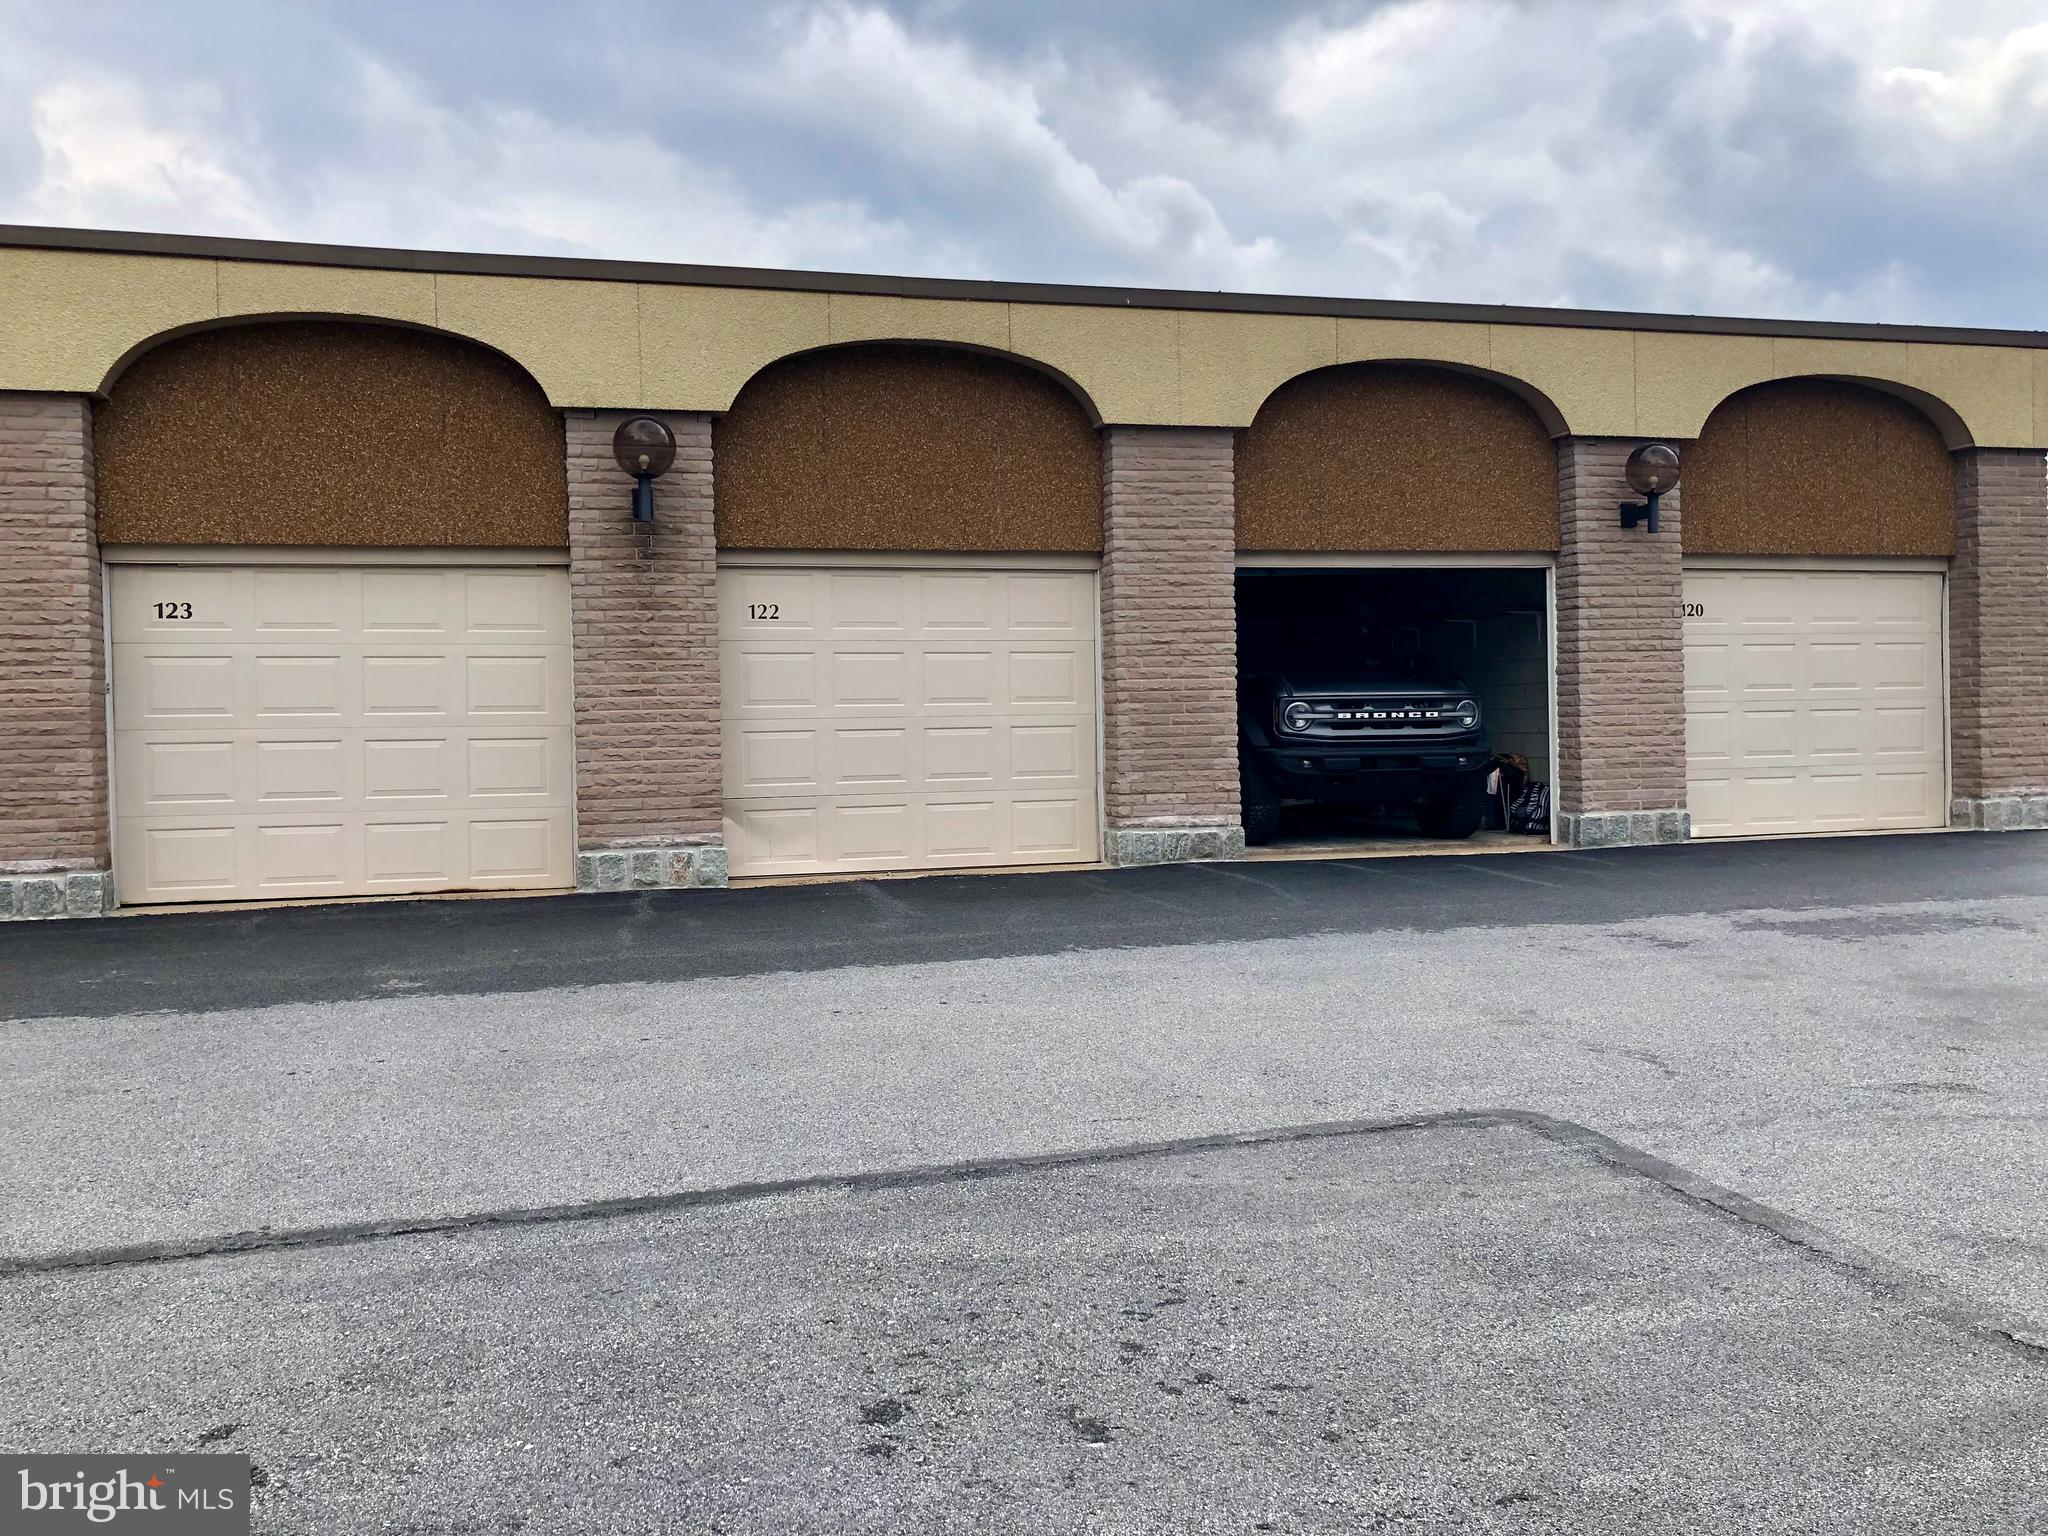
(106,156)
(983,131)
(1865,158)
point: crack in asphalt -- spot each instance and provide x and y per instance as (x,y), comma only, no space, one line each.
(1859,1263)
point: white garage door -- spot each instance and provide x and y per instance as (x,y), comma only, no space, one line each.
(1814,700)
(907,719)
(286,731)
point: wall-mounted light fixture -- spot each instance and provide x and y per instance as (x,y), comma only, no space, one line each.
(1651,470)
(644,448)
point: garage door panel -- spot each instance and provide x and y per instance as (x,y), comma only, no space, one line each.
(1049,608)
(1766,667)
(959,755)
(1839,677)
(1906,666)
(1758,600)
(869,680)
(1835,733)
(870,605)
(301,856)
(1837,800)
(962,829)
(512,850)
(192,863)
(1040,752)
(1041,679)
(410,687)
(416,768)
(402,852)
(768,760)
(960,679)
(1908,602)
(505,768)
(175,605)
(507,605)
(406,604)
(1836,602)
(506,686)
(778,604)
(1769,737)
(303,687)
(350,729)
(872,834)
(302,604)
(299,774)
(963,605)
(1707,671)
(770,679)
(1909,730)
(177,689)
(1837,666)
(1900,799)
(866,759)
(179,775)
(1050,829)
(945,695)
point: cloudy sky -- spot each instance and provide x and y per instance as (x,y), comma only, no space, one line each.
(1849,159)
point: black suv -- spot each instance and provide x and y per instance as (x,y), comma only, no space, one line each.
(1367,741)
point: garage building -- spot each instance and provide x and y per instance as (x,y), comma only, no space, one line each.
(324,579)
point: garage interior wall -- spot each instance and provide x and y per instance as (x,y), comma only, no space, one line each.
(1819,467)
(1394,457)
(329,433)
(911,448)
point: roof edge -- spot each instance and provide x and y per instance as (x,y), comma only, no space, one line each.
(596,269)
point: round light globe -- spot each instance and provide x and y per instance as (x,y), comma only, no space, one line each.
(1652,469)
(644,446)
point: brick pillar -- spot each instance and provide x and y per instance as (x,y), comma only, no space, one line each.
(649,779)
(1169,645)
(1998,637)
(1620,658)
(53,687)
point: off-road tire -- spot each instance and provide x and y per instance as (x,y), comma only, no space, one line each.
(1450,815)
(1259,806)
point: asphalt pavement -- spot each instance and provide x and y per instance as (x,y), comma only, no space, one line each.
(1450,1326)
(415,1191)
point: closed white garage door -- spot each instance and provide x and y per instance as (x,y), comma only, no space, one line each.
(288,731)
(1815,701)
(907,719)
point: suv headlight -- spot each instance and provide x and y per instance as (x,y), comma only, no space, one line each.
(1467,713)
(1295,717)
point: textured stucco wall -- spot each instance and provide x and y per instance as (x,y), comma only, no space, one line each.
(907,448)
(1393,457)
(329,433)
(74,317)
(1817,467)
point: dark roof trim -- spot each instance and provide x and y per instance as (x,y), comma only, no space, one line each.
(212,247)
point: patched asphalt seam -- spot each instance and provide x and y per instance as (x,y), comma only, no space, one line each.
(1849,1258)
